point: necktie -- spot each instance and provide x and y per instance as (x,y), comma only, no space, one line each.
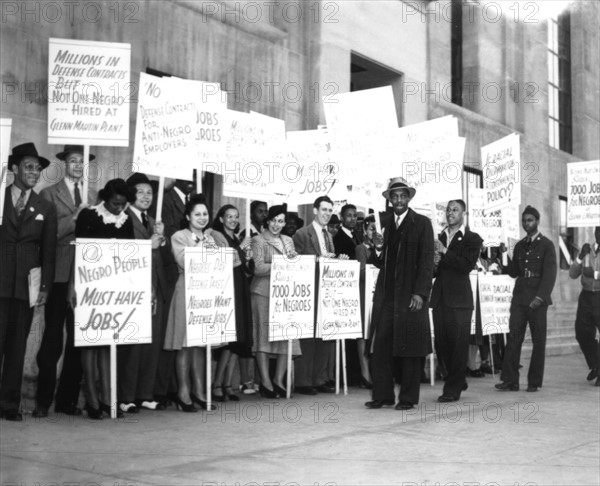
(328,244)
(20,206)
(77,195)
(397,221)
(145,220)
(527,243)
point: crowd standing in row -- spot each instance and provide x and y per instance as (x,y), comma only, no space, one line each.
(38,230)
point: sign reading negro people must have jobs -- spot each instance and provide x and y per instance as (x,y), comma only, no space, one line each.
(292,298)
(583,208)
(338,315)
(114,296)
(89,92)
(495,296)
(209,296)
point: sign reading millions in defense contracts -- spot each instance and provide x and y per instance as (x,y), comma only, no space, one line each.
(89,92)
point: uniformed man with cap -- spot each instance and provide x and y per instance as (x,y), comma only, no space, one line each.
(534,266)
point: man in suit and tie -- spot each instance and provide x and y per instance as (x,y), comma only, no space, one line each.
(399,336)
(314,239)
(27,241)
(345,240)
(66,197)
(457,252)
(534,266)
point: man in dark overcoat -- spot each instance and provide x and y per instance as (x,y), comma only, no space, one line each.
(399,335)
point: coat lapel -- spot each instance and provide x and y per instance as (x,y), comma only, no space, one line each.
(9,209)
(62,193)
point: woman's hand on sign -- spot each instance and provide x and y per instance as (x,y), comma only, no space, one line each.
(342,256)
(157,241)
(291,254)
(159,228)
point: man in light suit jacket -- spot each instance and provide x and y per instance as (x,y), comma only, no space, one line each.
(314,239)
(452,297)
(27,241)
(66,196)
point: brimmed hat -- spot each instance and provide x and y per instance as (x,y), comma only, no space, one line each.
(138,178)
(26,150)
(72,149)
(399,183)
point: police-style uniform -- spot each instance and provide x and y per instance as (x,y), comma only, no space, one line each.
(534,267)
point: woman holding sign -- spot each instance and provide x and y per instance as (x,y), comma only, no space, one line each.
(189,361)
(106,220)
(227,224)
(264,246)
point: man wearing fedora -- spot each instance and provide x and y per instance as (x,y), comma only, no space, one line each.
(399,336)
(66,196)
(27,241)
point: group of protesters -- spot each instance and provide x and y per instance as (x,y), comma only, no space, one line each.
(418,271)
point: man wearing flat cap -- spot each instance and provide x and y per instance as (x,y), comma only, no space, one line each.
(399,337)
(534,266)
(66,196)
(27,241)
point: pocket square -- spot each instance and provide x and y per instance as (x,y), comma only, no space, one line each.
(39,217)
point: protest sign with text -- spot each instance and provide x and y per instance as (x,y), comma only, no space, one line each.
(501,165)
(209,296)
(5,128)
(292,298)
(583,208)
(113,287)
(89,92)
(338,311)
(495,296)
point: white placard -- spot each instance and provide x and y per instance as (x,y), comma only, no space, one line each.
(209,296)
(487,224)
(5,128)
(114,296)
(495,297)
(164,132)
(338,306)
(473,278)
(89,92)
(292,298)
(501,164)
(583,207)
(371,274)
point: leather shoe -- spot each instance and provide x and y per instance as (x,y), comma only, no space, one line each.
(68,410)
(592,374)
(447,399)
(532,388)
(465,387)
(505,386)
(404,406)
(373,404)
(12,415)
(324,388)
(40,412)
(306,390)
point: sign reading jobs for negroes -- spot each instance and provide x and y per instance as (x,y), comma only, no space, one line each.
(292,298)
(114,296)
(338,315)
(209,296)
(89,92)
(495,296)
(583,208)
(501,163)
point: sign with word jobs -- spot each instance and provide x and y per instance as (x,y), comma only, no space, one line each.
(495,296)
(583,207)
(501,163)
(292,298)
(338,311)
(89,92)
(114,295)
(209,296)
(5,127)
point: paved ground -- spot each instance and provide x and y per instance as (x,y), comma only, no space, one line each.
(489,437)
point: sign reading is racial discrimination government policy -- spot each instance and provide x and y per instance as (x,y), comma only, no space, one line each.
(501,163)
(114,295)
(338,312)
(583,207)
(5,126)
(292,298)
(495,296)
(164,131)
(89,92)
(209,299)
